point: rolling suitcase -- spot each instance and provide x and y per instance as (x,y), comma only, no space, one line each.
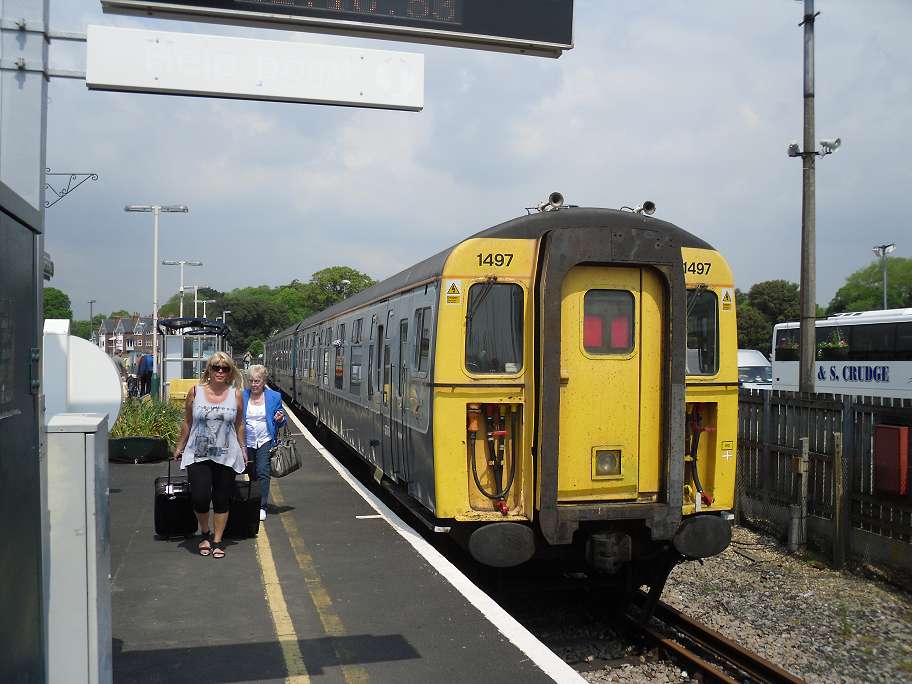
(174,515)
(244,509)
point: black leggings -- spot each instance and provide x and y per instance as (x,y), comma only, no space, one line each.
(210,481)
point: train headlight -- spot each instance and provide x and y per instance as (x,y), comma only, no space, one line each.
(607,463)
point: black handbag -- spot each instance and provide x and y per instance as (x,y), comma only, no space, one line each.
(283,457)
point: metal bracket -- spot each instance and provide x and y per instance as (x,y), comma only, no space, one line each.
(19,64)
(63,192)
(31,26)
(34,377)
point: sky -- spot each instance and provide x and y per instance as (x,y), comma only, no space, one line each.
(688,104)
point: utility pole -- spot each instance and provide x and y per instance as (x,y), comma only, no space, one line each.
(808,350)
(91,321)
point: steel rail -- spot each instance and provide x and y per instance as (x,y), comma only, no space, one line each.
(708,643)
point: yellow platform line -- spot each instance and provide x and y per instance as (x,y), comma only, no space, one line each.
(281,619)
(322,602)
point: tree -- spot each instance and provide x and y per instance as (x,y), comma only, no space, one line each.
(56,304)
(328,286)
(754,331)
(82,329)
(252,320)
(863,289)
(171,308)
(777,300)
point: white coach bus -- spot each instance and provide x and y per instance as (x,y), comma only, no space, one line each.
(864,353)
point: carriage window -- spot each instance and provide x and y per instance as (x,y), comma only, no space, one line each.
(494,328)
(340,357)
(702,332)
(354,371)
(356,331)
(787,342)
(422,339)
(608,322)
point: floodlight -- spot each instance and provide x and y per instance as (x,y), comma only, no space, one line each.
(794,150)
(830,145)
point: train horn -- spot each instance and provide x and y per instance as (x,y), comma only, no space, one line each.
(555,202)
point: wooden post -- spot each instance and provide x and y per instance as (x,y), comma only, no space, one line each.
(839,495)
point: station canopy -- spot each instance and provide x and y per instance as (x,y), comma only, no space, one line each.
(535,27)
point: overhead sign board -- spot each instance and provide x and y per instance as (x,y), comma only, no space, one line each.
(536,27)
(139,60)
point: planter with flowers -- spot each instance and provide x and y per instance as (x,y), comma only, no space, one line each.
(146,431)
(834,348)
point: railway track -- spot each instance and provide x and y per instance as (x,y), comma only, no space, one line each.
(700,649)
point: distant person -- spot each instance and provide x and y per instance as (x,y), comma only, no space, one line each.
(144,374)
(211,447)
(263,415)
(247,359)
(125,366)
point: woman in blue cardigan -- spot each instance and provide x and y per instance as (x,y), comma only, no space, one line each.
(263,415)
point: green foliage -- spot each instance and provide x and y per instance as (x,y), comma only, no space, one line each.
(326,287)
(81,329)
(56,304)
(120,313)
(144,418)
(252,319)
(765,304)
(171,308)
(863,289)
(754,331)
(256,348)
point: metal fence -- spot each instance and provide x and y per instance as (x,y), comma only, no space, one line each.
(806,471)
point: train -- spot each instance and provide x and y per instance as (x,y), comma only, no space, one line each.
(562,386)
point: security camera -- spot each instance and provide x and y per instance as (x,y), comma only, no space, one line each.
(794,150)
(830,145)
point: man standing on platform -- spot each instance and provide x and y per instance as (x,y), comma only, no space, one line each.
(144,372)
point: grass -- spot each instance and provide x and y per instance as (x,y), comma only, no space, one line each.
(144,418)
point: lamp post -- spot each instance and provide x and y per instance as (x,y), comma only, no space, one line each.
(155,210)
(204,302)
(196,299)
(91,323)
(181,263)
(225,313)
(882,251)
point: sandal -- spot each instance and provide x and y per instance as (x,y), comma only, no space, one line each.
(205,550)
(218,550)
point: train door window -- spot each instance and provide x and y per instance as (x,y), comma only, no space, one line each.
(354,371)
(702,332)
(373,325)
(422,339)
(340,357)
(325,366)
(494,328)
(389,323)
(608,322)
(370,368)
(356,331)
(403,355)
(387,380)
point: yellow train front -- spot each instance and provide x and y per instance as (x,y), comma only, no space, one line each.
(563,385)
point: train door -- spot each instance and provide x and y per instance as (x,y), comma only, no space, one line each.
(611,394)
(398,411)
(385,369)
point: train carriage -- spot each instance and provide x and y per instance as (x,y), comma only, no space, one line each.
(561,385)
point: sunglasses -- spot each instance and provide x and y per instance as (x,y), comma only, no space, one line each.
(220,369)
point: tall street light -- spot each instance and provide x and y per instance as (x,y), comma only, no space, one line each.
(882,251)
(181,263)
(204,302)
(155,210)
(91,317)
(196,299)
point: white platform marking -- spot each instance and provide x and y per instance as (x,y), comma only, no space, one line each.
(518,635)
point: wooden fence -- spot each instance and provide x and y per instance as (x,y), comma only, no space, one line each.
(820,490)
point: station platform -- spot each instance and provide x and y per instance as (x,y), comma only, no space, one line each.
(330,590)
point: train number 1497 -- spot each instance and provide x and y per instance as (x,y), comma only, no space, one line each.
(698,267)
(492,259)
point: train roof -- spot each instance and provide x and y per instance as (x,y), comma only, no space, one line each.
(532,226)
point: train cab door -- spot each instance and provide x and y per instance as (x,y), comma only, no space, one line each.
(398,424)
(611,394)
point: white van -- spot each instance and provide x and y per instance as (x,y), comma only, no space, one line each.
(754,370)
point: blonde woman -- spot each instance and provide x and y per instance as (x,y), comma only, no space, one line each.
(212,447)
(263,415)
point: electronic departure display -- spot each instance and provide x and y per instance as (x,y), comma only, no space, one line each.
(539,27)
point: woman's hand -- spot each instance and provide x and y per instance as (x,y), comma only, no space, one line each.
(279,416)
(178,454)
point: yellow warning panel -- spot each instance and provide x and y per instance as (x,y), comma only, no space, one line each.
(453,290)
(727,299)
